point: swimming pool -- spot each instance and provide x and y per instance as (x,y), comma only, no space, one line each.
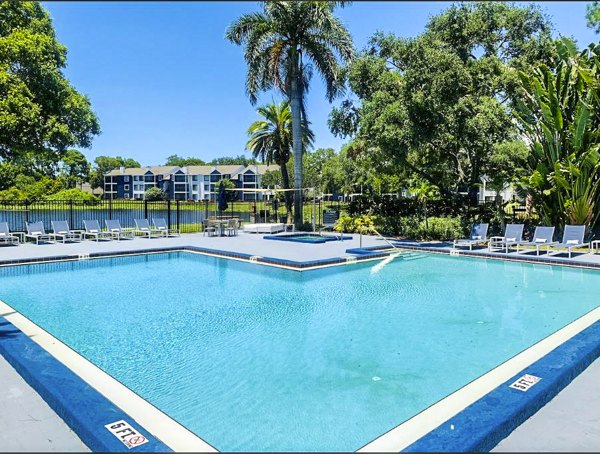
(280,360)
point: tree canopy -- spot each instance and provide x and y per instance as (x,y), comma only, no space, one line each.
(180,161)
(437,105)
(41,113)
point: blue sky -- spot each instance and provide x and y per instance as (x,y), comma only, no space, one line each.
(163,80)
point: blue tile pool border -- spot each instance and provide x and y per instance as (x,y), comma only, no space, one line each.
(80,406)
(487,421)
(291,264)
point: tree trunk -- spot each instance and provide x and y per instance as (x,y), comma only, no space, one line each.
(285,179)
(296,108)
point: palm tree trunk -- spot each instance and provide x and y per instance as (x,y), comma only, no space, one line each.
(296,108)
(285,179)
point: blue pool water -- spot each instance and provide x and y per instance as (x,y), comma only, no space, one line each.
(258,358)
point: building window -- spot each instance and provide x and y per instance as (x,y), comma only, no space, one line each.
(180,178)
(206,187)
(126,187)
(126,178)
(149,178)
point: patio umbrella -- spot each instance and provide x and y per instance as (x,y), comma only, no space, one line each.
(222,198)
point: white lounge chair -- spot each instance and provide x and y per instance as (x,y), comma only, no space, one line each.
(478,236)
(36,231)
(5,236)
(116,231)
(541,237)
(93,230)
(143,227)
(60,229)
(572,238)
(513,234)
(160,224)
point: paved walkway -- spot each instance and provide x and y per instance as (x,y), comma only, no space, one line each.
(27,423)
(569,422)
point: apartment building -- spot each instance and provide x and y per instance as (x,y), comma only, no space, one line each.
(185,183)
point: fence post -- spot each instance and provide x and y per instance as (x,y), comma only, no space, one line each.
(169,212)
(110,208)
(178,212)
(145,209)
(71,213)
(26,211)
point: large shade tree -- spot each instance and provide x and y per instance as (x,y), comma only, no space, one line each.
(438,104)
(284,44)
(41,114)
(271,141)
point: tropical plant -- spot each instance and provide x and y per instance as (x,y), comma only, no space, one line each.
(271,141)
(559,113)
(425,192)
(283,44)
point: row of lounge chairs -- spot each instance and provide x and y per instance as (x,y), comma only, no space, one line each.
(62,232)
(573,238)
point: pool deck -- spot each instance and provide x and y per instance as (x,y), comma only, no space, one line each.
(571,421)
(244,243)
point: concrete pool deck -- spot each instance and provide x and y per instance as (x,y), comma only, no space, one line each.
(245,243)
(566,413)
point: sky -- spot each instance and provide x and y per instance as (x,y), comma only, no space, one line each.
(163,80)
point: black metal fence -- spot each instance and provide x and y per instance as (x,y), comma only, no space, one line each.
(184,215)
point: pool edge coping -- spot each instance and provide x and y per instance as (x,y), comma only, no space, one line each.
(415,433)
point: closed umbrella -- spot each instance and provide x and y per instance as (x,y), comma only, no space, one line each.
(222,198)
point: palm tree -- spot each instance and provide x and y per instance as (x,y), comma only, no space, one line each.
(271,141)
(282,45)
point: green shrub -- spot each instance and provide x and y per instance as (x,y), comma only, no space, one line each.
(153,194)
(360,224)
(441,229)
(11,194)
(73,194)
